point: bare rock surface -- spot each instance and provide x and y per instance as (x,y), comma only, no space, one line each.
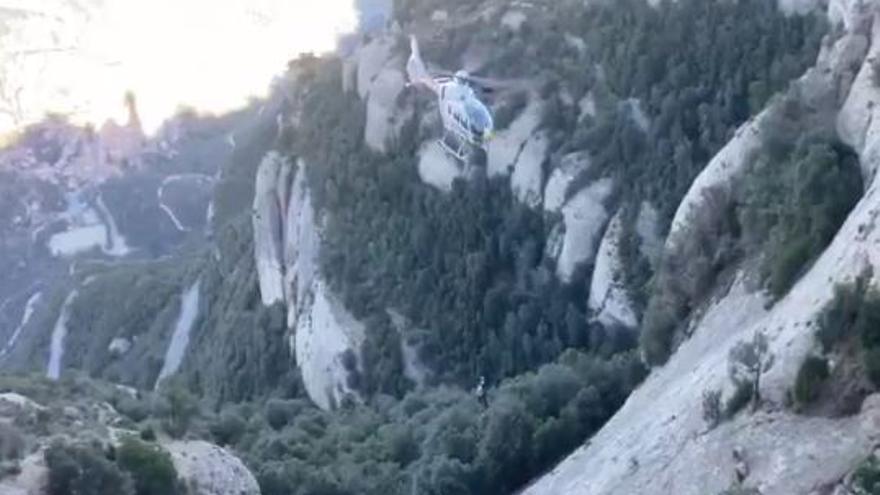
(609,300)
(287,243)
(658,442)
(211,470)
(584,217)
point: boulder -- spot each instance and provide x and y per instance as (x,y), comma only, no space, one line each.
(207,469)
(119,346)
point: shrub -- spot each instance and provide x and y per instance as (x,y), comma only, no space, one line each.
(742,394)
(688,272)
(871,358)
(148,434)
(807,385)
(866,479)
(839,317)
(748,361)
(228,428)
(12,443)
(279,413)
(84,471)
(854,311)
(794,203)
(867,324)
(182,407)
(658,331)
(712,412)
(875,72)
(149,466)
(787,265)
(135,409)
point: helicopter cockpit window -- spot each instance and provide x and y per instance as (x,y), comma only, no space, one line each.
(478,116)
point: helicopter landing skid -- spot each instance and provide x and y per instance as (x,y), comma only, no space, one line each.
(454,146)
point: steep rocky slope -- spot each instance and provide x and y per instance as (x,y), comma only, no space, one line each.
(658,442)
(287,245)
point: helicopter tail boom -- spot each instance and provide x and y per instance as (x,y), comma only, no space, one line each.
(416,71)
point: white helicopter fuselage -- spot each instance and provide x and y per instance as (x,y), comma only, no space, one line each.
(465,118)
(463,113)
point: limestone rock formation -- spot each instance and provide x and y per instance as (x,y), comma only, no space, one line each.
(207,469)
(571,166)
(584,217)
(658,442)
(286,245)
(609,300)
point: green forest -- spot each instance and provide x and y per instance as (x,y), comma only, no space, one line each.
(469,270)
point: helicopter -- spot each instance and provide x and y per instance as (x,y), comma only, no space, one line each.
(467,122)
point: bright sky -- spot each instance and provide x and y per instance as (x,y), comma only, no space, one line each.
(211,55)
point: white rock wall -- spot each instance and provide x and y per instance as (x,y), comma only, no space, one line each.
(503,151)
(609,301)
(584,217)
(648,229)
(527,180)
(380,81)
(302,243)
(266,220)
(570,167)
(858,123)
(287,243)
(371,59)
(323,335)
(729,163)
(383,118)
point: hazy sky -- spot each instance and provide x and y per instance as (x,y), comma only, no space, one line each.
(208,54)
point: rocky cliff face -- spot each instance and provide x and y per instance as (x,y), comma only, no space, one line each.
(259,292)
(609,299)
(380,81)
(286,246)
(658,442)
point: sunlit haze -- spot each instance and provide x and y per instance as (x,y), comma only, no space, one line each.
(208,55)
